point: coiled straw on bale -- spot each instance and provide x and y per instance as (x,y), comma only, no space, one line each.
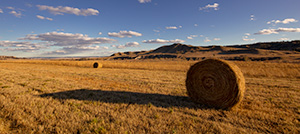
(215,83)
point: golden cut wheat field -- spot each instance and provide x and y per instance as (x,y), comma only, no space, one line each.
(51,96)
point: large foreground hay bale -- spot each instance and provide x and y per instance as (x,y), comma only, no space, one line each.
(215,83)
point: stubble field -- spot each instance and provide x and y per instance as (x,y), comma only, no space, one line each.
(38,96)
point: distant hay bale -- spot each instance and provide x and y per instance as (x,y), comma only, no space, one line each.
(97,65)
(215,83)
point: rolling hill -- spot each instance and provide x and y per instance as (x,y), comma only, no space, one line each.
(286,51)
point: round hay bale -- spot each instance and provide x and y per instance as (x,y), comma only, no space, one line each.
(96,65)
(215,83)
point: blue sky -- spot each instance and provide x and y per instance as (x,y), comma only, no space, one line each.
(46,28)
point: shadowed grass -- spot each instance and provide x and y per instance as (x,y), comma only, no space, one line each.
(159,100)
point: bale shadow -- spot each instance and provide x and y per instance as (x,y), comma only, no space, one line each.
(159,100)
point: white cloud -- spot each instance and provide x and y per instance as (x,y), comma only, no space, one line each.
(15,13)
(162,41)
(252,17)
(157,31)
(40,17)
(13,43)
(144,1)
(128,44)
(20,46)
(195,25)
(285,21)
(215,6)
(23,49)
(1,11)
(191,37)
(284,39)
(28,5)
(207,40)
(217,39)
(99,33)
(276,31)
(123,34)
(60,10)
(118,46)
(132,44)
(171,27)
(67,39)
(11,8)
(57,52)
(43,18)
(245,38)
(266,31)
(74,50)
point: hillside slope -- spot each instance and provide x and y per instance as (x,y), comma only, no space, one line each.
(259,51)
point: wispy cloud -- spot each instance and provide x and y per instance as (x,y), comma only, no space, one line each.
(60,10)
(74,50)
(20,46)
(1,11)
(207,40)
(15,13)
(284,39)
(57,52)
(11,8)
(276,31)
(162,41)
(144,1)
(217,39)
(118,46)
(44,18)
(132,44)
(123,34)
(246,37)
(214,6)
(171,27)
(14,43)
(68,39)
(285,21)
(191,37)
(252,17)
(128,44)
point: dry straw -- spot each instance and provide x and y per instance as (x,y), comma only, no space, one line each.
(215,83)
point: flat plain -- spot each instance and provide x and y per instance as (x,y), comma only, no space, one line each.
(48,96)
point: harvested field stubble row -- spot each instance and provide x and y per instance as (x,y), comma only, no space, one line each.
(39,98)
(249,69)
